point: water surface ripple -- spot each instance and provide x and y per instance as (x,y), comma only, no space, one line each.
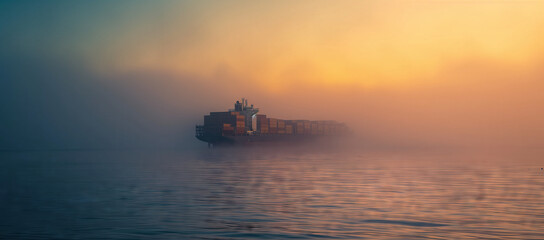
(224,194)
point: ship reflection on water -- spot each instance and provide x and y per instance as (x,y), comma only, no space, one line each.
(229,194)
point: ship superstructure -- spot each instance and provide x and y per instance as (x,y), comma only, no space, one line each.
(243,125)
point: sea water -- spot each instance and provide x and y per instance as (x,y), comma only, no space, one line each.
(254,194)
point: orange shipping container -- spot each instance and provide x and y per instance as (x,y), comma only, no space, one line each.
(289,129)
(272,123)
(281,124)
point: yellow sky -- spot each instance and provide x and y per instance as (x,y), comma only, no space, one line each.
(363,43)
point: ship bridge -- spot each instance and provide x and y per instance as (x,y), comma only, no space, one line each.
(247,111)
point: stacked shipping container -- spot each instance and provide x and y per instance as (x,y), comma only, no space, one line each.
(298,127)
(262,124)
(273,125)
(240,122)
(232,123)
(224,123)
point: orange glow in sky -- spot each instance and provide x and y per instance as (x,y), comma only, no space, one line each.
(361,43)
(465,72)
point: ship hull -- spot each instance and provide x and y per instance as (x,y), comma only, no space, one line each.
(258,140)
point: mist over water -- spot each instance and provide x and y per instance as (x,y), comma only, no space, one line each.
(50,105)
(99,102)
(422,163)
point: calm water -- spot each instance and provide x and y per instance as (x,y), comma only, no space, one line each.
(224,195)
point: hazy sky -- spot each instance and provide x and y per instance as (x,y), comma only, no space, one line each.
(123,73)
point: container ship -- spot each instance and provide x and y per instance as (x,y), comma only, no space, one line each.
(243,126)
